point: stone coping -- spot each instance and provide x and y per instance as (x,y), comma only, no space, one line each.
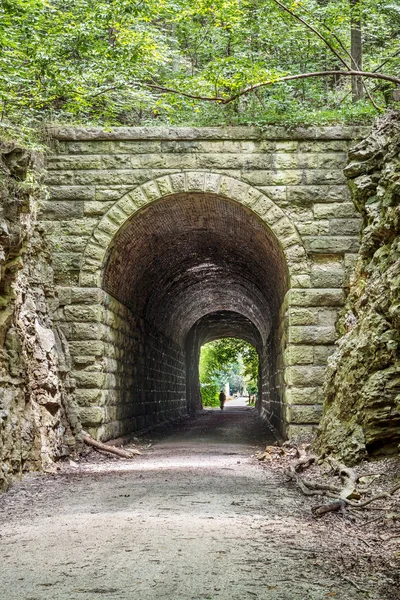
(337,132)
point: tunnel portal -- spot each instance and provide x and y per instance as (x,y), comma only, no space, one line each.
(191,268)
(165,238)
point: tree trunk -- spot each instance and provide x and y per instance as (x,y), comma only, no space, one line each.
(356,49)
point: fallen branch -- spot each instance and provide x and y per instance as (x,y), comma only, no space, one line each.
(318,511)
(106,448)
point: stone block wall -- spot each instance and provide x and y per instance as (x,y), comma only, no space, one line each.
(128,376)
(293,181)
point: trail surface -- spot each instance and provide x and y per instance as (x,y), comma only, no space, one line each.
(195,517)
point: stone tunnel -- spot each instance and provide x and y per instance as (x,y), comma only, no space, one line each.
(165,239)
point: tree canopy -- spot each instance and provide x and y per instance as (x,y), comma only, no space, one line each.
(114,62)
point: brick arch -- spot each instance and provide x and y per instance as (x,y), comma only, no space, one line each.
(233,189)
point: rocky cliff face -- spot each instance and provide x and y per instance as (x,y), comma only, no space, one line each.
(362,391)
(37,419)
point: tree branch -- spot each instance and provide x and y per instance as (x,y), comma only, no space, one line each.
(256,86)
(314,30)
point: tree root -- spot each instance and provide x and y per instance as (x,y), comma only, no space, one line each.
(106,448)
(345,497)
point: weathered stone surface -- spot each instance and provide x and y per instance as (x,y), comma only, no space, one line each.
(38,416)
(362,406)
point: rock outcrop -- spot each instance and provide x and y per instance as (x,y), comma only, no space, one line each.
(38,422)
(362,390)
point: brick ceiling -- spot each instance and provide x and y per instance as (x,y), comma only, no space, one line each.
(190,255)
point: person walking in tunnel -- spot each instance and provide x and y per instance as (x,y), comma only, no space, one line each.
(222,399)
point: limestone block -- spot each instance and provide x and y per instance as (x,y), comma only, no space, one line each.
(116,161)
(302,316)
(304,414)
(286,146)
(331,160)
(277,193)
(304,376)
(225,185)
(300,281)
(59,211)
(327,275)
(270,212)
(295,254)
(127,205)
(78,162)
(298,433)
(94,251)
(108,226)
(323,147)
(322,353)
(152,161)
(178,182)
(334,210)
(305,395)
(88,379)
(239,191)
(138,197)
(282,228)
(64,178)
(151,190)
(90,397)
(111,193)
(64,295)
(103,238)
(195,182)
(310,194)
(299,355)
(68,244)
(84,313)
(211,182)
(286,160)
(310,334)
(276,177)
(344,226)
(95,208)
(165,185)
(331,244)
(117,215)
(83,331)
(87,278)
(71,192)
(315,227)
(315,297)
(324,176)
(91,415)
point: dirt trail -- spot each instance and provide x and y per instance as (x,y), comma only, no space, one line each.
(195,517)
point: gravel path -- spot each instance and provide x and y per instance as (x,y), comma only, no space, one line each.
(195,517)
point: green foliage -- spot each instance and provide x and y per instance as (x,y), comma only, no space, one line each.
(228,360)
(95,61)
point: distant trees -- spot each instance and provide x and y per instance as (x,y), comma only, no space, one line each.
(228,360)
(196,61)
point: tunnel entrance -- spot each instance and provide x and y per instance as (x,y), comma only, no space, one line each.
(189,268)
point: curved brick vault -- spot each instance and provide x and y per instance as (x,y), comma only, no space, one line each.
(189,257)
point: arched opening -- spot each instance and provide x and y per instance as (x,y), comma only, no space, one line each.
(229,370)
(192,267)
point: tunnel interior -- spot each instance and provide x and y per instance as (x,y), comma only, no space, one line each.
(192,268)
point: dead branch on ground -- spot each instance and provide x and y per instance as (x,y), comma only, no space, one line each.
(107,448)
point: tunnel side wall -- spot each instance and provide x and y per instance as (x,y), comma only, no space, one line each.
(128,375)
(293,180)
